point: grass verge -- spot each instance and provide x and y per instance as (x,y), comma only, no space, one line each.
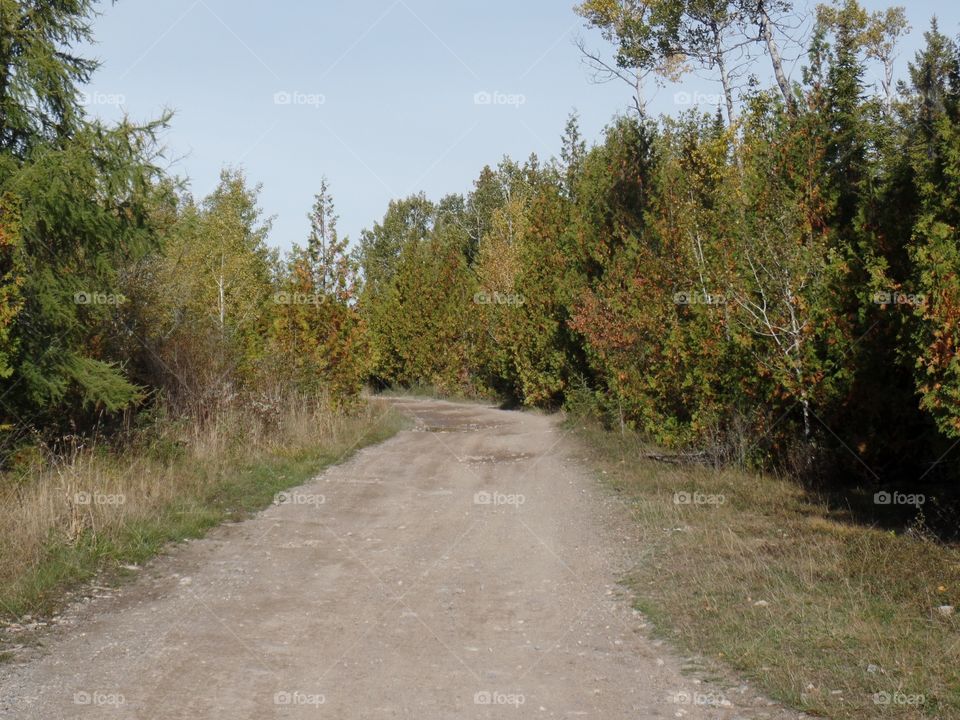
(753,573)
(90,515)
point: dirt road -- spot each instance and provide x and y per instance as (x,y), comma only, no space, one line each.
(464,569)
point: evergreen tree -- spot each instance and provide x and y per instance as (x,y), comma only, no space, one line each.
(934,151)
(327,252)
(573,148)
(11,280)
(83,217)
(39,71)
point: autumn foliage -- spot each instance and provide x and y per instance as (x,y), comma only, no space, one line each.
(778,291)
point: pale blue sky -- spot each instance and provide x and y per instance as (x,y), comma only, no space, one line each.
(381,93)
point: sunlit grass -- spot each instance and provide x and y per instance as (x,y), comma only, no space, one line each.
(819,612)
(73,519)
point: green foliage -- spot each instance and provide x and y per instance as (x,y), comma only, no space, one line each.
(421,321)
(205,307)
(781,286)
(405,221)
(524,298)
(11,280)
(83,211)
(934,157)
(317,337)
(777,290)
(39,73)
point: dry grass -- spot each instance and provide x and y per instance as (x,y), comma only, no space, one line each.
(65,519)
(826,615)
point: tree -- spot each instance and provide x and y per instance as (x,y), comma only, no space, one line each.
(11,281)
(934,152)
(766,16)
(710,35)
(782,275)
(209,306)
(573,149)
(318,338)
(661,37)
(424,321)
(632,26)
(779,288)
(328,253)
(39,73)
(866,226)
(84,213)
(613,195)
(881,35)
(488,195)
(379,251)
(845,128)
(875,34)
